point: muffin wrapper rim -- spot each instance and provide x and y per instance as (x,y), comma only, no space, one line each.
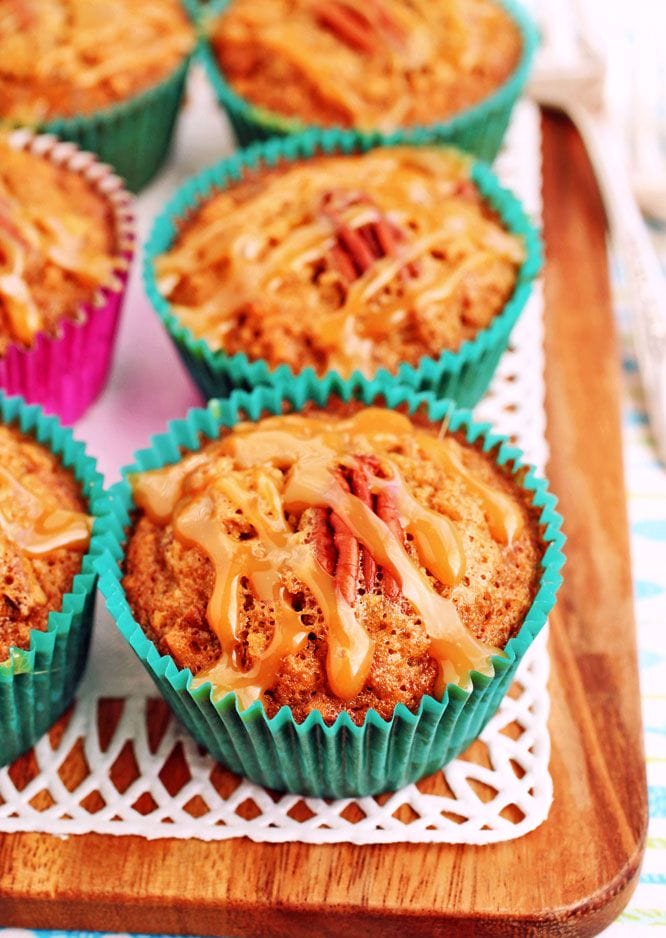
(463,374)
(312,757)
(133,135)
(37,683)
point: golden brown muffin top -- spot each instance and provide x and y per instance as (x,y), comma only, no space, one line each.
(345,262)
(60,58)
(57,245)
(377,64)
(332,562)
(44,532)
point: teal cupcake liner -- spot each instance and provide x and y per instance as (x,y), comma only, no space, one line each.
(479,129)
(311,758)
(133,136)
(462,375)
(37,684)
(196,9)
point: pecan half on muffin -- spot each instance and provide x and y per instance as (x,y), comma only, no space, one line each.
(332,561)
(60,58)
(381,64)
(345,263)
(44,533)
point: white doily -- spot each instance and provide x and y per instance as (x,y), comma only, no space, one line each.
(499,790)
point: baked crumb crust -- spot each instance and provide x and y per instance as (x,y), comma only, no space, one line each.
(169,585)
(32,586)
(57,245)
(60,58)
(381,64)
(343,262)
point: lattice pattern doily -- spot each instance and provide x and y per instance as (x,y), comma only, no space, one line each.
(124,766)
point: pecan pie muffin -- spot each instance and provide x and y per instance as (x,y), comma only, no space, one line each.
(333,561)
(64,57)
(106,76)
(58,245)
(44,533)
(66,246)
(50,492)
(381,64)
(352,263)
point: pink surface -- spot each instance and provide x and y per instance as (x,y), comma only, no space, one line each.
(148,385)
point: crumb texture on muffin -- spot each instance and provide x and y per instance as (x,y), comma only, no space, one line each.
(332,562)
(57,245)
(44,532)
(343,262)
(378,64)
(60,58)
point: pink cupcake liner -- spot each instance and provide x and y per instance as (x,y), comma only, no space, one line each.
(65,373)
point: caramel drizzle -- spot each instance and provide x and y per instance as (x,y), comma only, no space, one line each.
(357,249)
(278,468)
(76,42)
(401,35)
(45,529)
(357,213)
(33,235)
(329,44)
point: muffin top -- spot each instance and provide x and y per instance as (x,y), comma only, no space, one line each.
(44,533)
(344,262)
(380,64)
(60,58)
(332,561)
(57,245)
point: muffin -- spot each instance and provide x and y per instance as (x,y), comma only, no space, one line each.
(385,66)
(343,580)
(310,561)
(108,78)
(49,491)
(382,263)
(66,240)
(44,532)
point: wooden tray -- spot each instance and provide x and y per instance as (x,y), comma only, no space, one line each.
(575,873)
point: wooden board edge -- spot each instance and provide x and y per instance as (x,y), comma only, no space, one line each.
(586,916)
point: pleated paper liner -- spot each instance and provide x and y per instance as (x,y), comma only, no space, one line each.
(312,758)
(65,373)
(37,684)
(134,135)
(479,129)
(462,375)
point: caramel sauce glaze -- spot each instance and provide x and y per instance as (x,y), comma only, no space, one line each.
(33,526)
(362,245)
(309,455)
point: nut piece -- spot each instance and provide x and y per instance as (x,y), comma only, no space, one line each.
(364,28)
(336,548)
(347,566)
(357,249)
(349,25)
(386,510)
(360,488)
(323,541)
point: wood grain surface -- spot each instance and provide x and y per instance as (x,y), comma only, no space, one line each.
(576,872)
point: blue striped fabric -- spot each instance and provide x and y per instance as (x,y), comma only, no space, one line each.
(646,485)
